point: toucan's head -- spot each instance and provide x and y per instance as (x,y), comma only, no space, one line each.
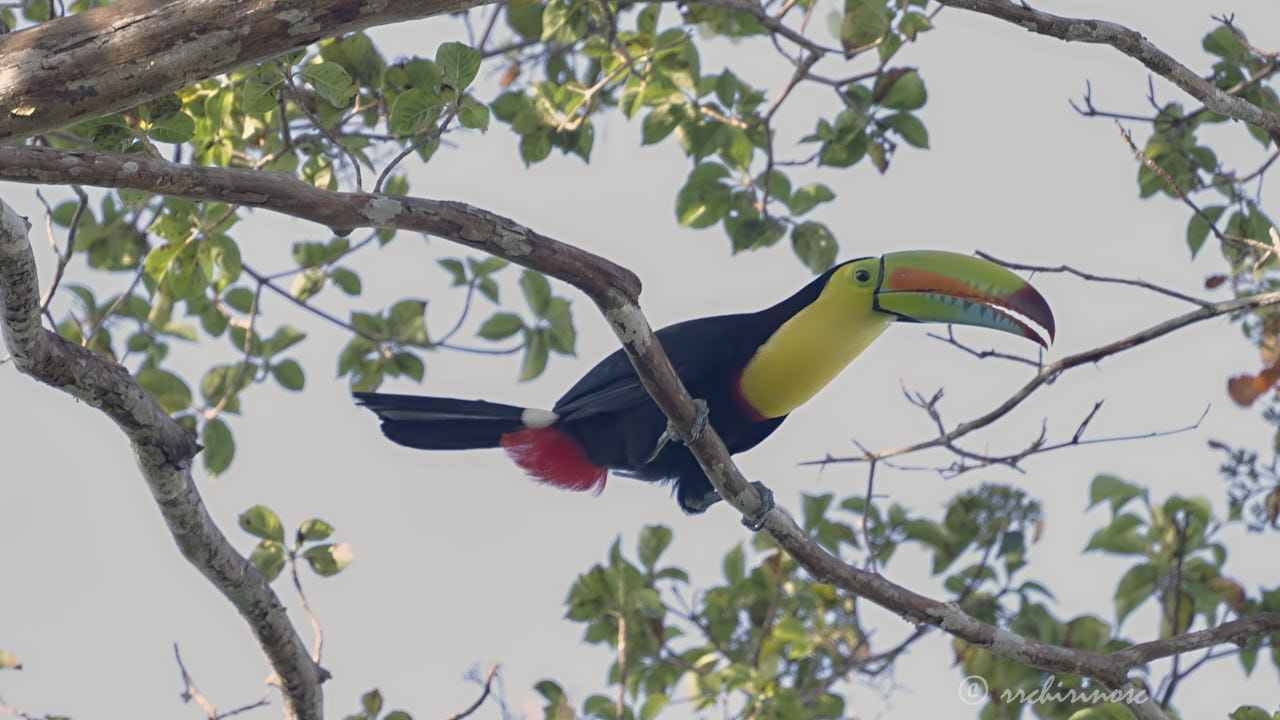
(945,287)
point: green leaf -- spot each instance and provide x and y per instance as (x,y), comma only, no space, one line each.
(704,199)
(865,21)
(285,337)
(563,21)
(371,703)
(459,64)
(219,378)
(261,522)
(814,508)
(535,147)
(407,363)
(900,89)
(560,333)
(735,565)
(168,389)
(661,121)
(269,558)
(259,93)
(1110,487)
(1224,43)
(525,17)
(331,82)
(501,325)
(328,560)
(241,299)
(473,114)
(1120,537)
(909,127)
(313,530)
(219,446)
(537,291)
(1198,227)
(346,280)
(176,128)
(535,355)
(814,245)
(413,110)
(289,374)
(1135,587)
(653,541)
(652,706)
(914,23)
(455,269)
(408,321)
(807,197)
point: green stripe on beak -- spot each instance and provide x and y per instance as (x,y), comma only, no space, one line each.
(944,287)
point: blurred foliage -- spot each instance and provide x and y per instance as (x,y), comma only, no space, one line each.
(769,642)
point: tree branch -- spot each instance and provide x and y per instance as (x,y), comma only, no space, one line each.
(123,54)
(614,290)
(164,452)
(1133,44)
(342,212)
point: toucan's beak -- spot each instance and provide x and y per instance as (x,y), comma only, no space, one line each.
(933,286)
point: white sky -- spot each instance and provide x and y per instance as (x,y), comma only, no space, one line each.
(461,561)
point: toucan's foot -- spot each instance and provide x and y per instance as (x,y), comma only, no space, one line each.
(699,421)
(670,434)
(755,521)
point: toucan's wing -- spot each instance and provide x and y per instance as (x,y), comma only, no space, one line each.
(697,349)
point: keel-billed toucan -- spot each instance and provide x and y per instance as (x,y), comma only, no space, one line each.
(751,370)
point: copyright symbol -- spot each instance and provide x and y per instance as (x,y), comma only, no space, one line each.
(973,690)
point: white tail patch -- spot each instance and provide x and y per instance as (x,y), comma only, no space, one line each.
(536,418)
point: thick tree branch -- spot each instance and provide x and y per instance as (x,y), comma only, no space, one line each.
(614,290)
(342,212)
(164,452)
(120,55)
(1133,44)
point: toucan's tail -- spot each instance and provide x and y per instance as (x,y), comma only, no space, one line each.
(530,436)
(433,423)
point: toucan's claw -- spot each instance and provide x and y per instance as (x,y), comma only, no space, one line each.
(671,435)
(699,422)
(755,521)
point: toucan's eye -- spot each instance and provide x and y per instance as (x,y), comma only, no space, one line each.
(862,275)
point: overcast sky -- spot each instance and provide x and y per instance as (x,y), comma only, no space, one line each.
(461,561)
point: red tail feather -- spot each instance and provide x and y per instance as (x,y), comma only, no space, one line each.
(550,456)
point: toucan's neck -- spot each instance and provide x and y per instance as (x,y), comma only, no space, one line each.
(820,330)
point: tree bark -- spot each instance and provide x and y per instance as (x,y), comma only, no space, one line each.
(121,55)
(164,452)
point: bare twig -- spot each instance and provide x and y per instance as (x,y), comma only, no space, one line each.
(1133,44)
(1094,278)
(190,692)
(488,682)
(65,256)
(317,632)
(1164,175)
(1229,21)
(620,707)
(319,125)
(246,365)
(1052,371)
